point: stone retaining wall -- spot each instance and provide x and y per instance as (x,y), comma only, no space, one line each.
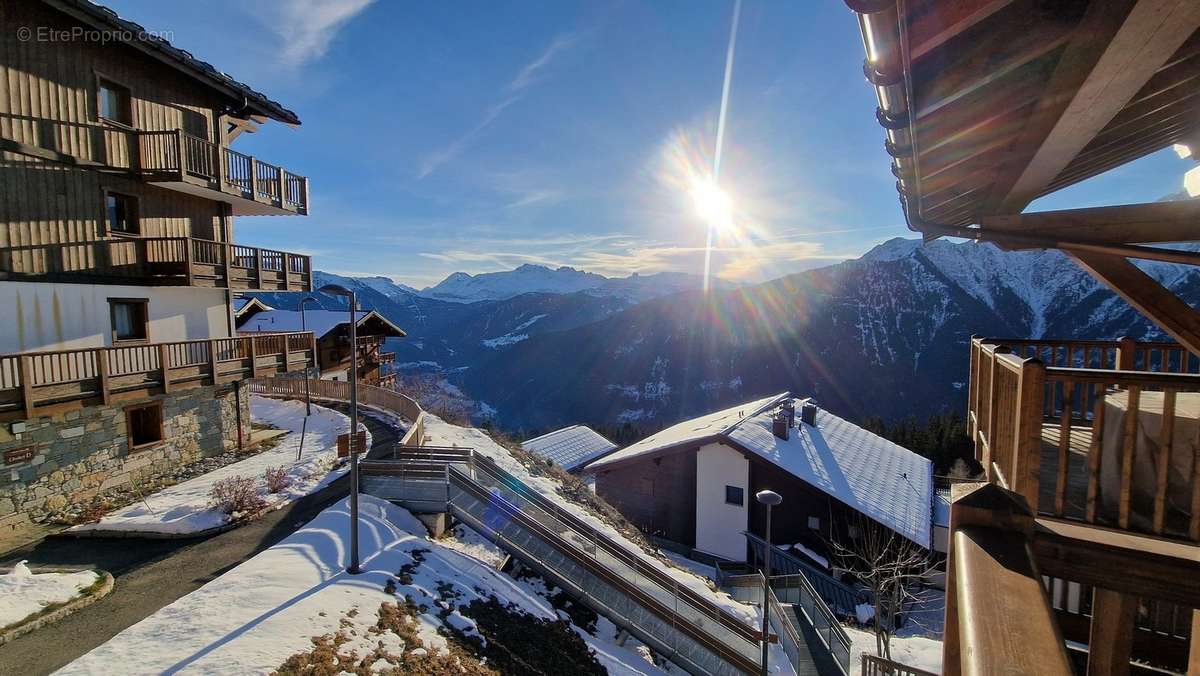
(83,453)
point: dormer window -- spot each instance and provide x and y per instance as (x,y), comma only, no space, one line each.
(113,102)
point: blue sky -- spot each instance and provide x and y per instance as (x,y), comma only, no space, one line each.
(477,136)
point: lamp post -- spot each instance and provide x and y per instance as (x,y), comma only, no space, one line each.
(304,329)
(770,499)
(338,290)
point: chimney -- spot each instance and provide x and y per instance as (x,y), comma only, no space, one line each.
(789,407)
(779,425)
(808,413)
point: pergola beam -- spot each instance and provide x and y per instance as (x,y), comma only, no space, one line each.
(1145,294)
(1177,221)
(1151,33)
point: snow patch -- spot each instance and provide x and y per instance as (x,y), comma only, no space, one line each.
(26,593)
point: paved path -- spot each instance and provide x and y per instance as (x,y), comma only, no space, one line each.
(150,574)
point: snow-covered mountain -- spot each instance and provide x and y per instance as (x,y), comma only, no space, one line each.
(461,287)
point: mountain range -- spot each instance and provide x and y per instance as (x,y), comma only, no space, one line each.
(883,335)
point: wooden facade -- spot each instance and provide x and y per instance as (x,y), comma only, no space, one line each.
(1090,447)
(60,160)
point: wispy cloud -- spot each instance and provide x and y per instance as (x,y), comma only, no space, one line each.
(525,77)
(309,26)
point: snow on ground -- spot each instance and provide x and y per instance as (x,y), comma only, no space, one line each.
(703,570)
(441,433)
(812,556)
(254,617)
(184,507)
(914,651)
(25,593)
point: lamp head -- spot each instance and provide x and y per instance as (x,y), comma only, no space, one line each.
(768,498)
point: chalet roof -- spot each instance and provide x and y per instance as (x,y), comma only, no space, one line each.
(882,480)
(989,104)
(571,447)
(103,18)
(248,306)
(320,322)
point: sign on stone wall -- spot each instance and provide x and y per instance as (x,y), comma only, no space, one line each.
(18,455)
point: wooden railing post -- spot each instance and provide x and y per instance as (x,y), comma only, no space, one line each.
(102,372)
(253,179)
(989,430)
(25,365)
(253,357)
(212,360)
(1027,437)
(282,187)
(165,365)
(227,252)
(258,282)
(287,263)
(189,258)
(304,196)
(1126,354)
(181,152)
(1110,643)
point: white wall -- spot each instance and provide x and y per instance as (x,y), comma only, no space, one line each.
(46,316)
(719,525)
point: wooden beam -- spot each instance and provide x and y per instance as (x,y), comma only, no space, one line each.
(1110,644)
(1145,294)
(1147,38)
(933,29)
(1194,648)
(1125,224)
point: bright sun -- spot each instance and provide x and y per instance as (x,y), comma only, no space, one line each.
(712,203)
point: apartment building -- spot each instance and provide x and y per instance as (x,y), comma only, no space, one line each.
(119,188)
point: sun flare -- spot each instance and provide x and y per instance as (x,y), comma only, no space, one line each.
(713,204)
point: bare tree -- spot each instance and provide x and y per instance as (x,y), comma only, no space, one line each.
(890,565)
(436,395)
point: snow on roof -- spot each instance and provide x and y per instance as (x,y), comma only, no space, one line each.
(689,431)
(882,480)
(941,510)
(571,447)
(245,305)
(320,322)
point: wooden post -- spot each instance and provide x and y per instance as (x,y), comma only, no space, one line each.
(282,187)
(181,152)
(189,258)
(1110,644)
(253,358)
(102,371)
(304,210)
(25,364)
(1126,353)
(165,365)
(1027,441)
(287,263)
(258,268)
(253,179)
(989,449)
(1194,646)
(212,360)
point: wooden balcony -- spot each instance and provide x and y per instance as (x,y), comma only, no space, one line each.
(180,161)
(159,261)
(1093,450)
(39,383)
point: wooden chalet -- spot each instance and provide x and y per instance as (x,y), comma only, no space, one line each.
(1081,552)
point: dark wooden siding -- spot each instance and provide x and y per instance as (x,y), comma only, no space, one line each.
(658,495)
(48,99)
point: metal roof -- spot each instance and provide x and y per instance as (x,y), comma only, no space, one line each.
(571,447)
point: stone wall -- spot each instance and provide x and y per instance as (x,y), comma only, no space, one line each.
(83,453)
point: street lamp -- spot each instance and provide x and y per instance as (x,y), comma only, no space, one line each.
(304,329)
(770,499)
(338,290)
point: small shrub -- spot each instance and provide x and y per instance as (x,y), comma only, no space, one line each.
(236,495)
(93,512)
(277,479)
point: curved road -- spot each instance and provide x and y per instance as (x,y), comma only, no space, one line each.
(151,574)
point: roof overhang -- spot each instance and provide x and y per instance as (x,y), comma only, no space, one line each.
(245,101)
(990,104)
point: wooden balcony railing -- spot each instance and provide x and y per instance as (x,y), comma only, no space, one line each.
(39,383)
(873,665)
(160,261)
(177,155)
(1101,441)
(1083,440)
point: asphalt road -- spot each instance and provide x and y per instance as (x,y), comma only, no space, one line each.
(149,574)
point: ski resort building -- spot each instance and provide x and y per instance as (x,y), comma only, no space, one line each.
(571,447)
(1081,553)
(332,331)
(694,483)
(119,359)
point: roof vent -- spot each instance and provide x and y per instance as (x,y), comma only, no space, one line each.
(808,414)
(779,425)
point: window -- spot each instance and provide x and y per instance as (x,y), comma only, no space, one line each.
(143,425)
(129,319)
(814,522)
(113,102)
(121,213)
(735,495)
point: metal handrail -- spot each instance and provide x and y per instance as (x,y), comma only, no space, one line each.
(831,590)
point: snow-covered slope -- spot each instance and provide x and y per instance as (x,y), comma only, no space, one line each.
(461,287)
